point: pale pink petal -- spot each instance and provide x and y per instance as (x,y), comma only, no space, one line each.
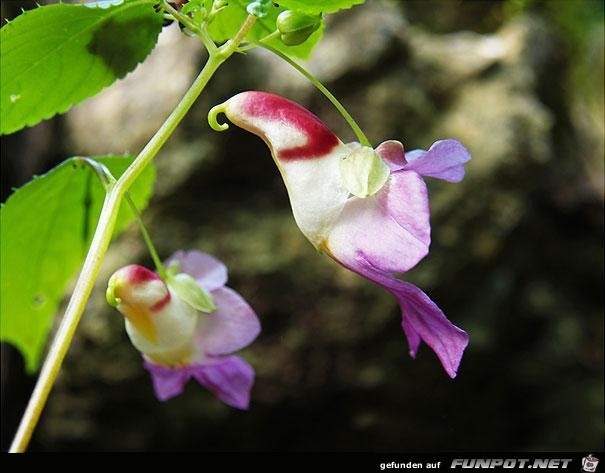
(208,271)
(444,160)
(232,327)
(390,229)
(229,378)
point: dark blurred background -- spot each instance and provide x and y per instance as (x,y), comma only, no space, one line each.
(516,258)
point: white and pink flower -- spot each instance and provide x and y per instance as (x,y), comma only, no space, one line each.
(367,209)
(177,340)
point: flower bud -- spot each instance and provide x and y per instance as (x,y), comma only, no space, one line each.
(295,28)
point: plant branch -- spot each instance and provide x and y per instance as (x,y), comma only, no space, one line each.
(108,182)
(102,238)
(68,325)
(199,30)
(231,46)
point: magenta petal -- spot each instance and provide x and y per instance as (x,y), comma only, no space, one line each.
(232,327)
(228,378)
(209,272)
(167,382)
(391,229)
(444,160)
(412,336)
(422,318)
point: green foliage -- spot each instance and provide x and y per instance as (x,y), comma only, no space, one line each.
(47,226)
(58,55)
(314,7)
(228,21)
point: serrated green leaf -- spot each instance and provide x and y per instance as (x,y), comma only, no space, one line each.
(46,229)
(58,55)
(228,21)
(187,289)
(314,7)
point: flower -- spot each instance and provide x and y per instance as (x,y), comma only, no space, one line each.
(166,323)
(367,209)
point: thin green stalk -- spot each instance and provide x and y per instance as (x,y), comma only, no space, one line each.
(343,111)
(102,238)
(248,46)
(217,6)
(159,266)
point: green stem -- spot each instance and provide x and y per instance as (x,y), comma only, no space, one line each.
(108,182)
(363,139)
(249,46)
(168,127)
(100,170)
(199,30)
(70,320)
(102,238)
(217,6)
(159,266)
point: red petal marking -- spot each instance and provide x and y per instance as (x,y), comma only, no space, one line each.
(139,274)
(159,305)
(320,139)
